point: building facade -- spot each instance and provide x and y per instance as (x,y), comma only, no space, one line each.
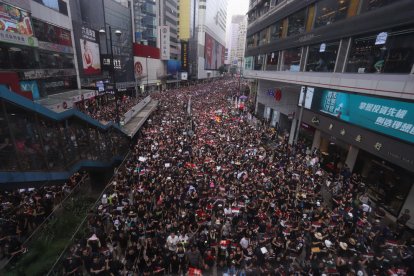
(237,43)
(168,11)
(202,27)
(146,20)
(350,65)
(36,48)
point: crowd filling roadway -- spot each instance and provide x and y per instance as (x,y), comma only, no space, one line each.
(213,193)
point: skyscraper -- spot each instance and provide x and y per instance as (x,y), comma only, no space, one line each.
(168,11)
(145,13)
(236,46)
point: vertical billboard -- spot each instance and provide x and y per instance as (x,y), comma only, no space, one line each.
(14,20)
(184,55)
(89,46)
(390,117)
(214,53)
(164,32)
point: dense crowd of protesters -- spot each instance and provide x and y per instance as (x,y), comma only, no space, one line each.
(105,111)
(23,210)
(205,194)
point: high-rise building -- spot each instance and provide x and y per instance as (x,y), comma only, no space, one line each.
(145,13)
(203,23)
(168,11)
(339,75)
(237,41)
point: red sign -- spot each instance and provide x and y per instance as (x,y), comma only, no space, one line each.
(278,94)
(138,68)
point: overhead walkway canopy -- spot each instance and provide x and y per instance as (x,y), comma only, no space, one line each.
(37,144)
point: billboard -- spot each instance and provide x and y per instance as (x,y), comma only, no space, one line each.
(184,55)
(164,32)
(49,33)
(214,53)
(390,117)
(89,46)
(173,67)
(14,20)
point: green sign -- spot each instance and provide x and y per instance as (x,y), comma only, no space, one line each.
(390,117)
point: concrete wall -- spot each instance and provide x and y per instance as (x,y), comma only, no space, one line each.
(387,85)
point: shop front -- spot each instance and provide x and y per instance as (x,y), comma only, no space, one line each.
(373,136)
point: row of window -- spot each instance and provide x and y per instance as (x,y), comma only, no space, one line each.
(322,13)
(390,51)
(29,58)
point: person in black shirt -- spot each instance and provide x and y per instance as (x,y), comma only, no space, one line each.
(175,265)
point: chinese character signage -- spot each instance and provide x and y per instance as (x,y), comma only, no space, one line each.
(184,55)
(14,20)
(90,51)
(164,32)
(390,117)
(19,39)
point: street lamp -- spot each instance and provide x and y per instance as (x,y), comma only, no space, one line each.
(118,34)
(146,62)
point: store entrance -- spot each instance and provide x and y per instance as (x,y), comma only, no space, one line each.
(387,184)
(334,153)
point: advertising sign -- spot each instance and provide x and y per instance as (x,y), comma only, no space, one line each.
(19,39)
(173,66)
(184,76)
(30,86)
(214,53)
(53,34)
(90,52)
(184,55)
(164,32)
(390,117)
(14,20)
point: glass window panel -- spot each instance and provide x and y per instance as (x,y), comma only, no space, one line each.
(396,55)
(29,149)
(272,61)
(369,5)
(7,149)
(264,37)
(296,23)
(276,31)
(322,58)
(291,60)
(250,41)
(330,11)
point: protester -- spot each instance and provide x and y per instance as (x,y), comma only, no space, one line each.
(208,187)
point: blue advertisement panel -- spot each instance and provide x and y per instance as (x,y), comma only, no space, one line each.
(390,117)
(30,86)
(173,66)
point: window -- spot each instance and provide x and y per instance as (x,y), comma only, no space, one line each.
(250,42)
(369,5)
(258,62)
(297,23)
(276,31)
(264,37)
(322,57)
(291,60)
(272,60)
(330,11)
(383,52)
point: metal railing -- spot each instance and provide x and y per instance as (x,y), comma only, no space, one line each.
(57,267)
(41,227)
